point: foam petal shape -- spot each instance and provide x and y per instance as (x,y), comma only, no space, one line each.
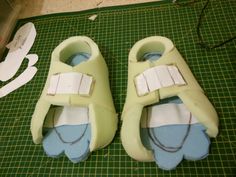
(166,160)
(76,151)
(80,150)
(52,145)
(195,147)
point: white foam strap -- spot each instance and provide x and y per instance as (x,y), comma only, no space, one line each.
(167,114)
(67,115)
(70,83)
(158,77)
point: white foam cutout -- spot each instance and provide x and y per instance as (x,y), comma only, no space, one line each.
(67,115)
(158,77)
(167,114)
(70,83)
(21,80)
(141,84)
(18,50)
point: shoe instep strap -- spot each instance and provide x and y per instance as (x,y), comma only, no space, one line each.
(158,77)
(166,114)
(66,115)
(70,83)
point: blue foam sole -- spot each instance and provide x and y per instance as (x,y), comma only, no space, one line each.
(79,151)
(195,147)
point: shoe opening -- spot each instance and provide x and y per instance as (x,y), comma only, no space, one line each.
(152,50)
(75,53)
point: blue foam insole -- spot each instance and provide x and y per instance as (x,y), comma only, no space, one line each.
(52,144)
(151,56)
(195,147)
(78,58)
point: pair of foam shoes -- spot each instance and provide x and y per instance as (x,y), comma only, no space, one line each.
(75,114)
(166,116)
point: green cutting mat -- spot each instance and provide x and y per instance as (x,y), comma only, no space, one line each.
(115,30)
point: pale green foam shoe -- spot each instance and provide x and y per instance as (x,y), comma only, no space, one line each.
(74,88)
(150,81)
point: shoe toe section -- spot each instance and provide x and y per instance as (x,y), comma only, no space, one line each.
(167,160)
(52,145)
(197,144)
(79,151)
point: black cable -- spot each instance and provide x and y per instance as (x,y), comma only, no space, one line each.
(199,23)
(202,43)
(59,135)
(157,142)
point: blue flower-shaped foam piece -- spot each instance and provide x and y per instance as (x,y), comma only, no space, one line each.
(77,151)
(195,147)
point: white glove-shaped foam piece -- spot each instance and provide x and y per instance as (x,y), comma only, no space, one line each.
(23,78)
(18,50)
